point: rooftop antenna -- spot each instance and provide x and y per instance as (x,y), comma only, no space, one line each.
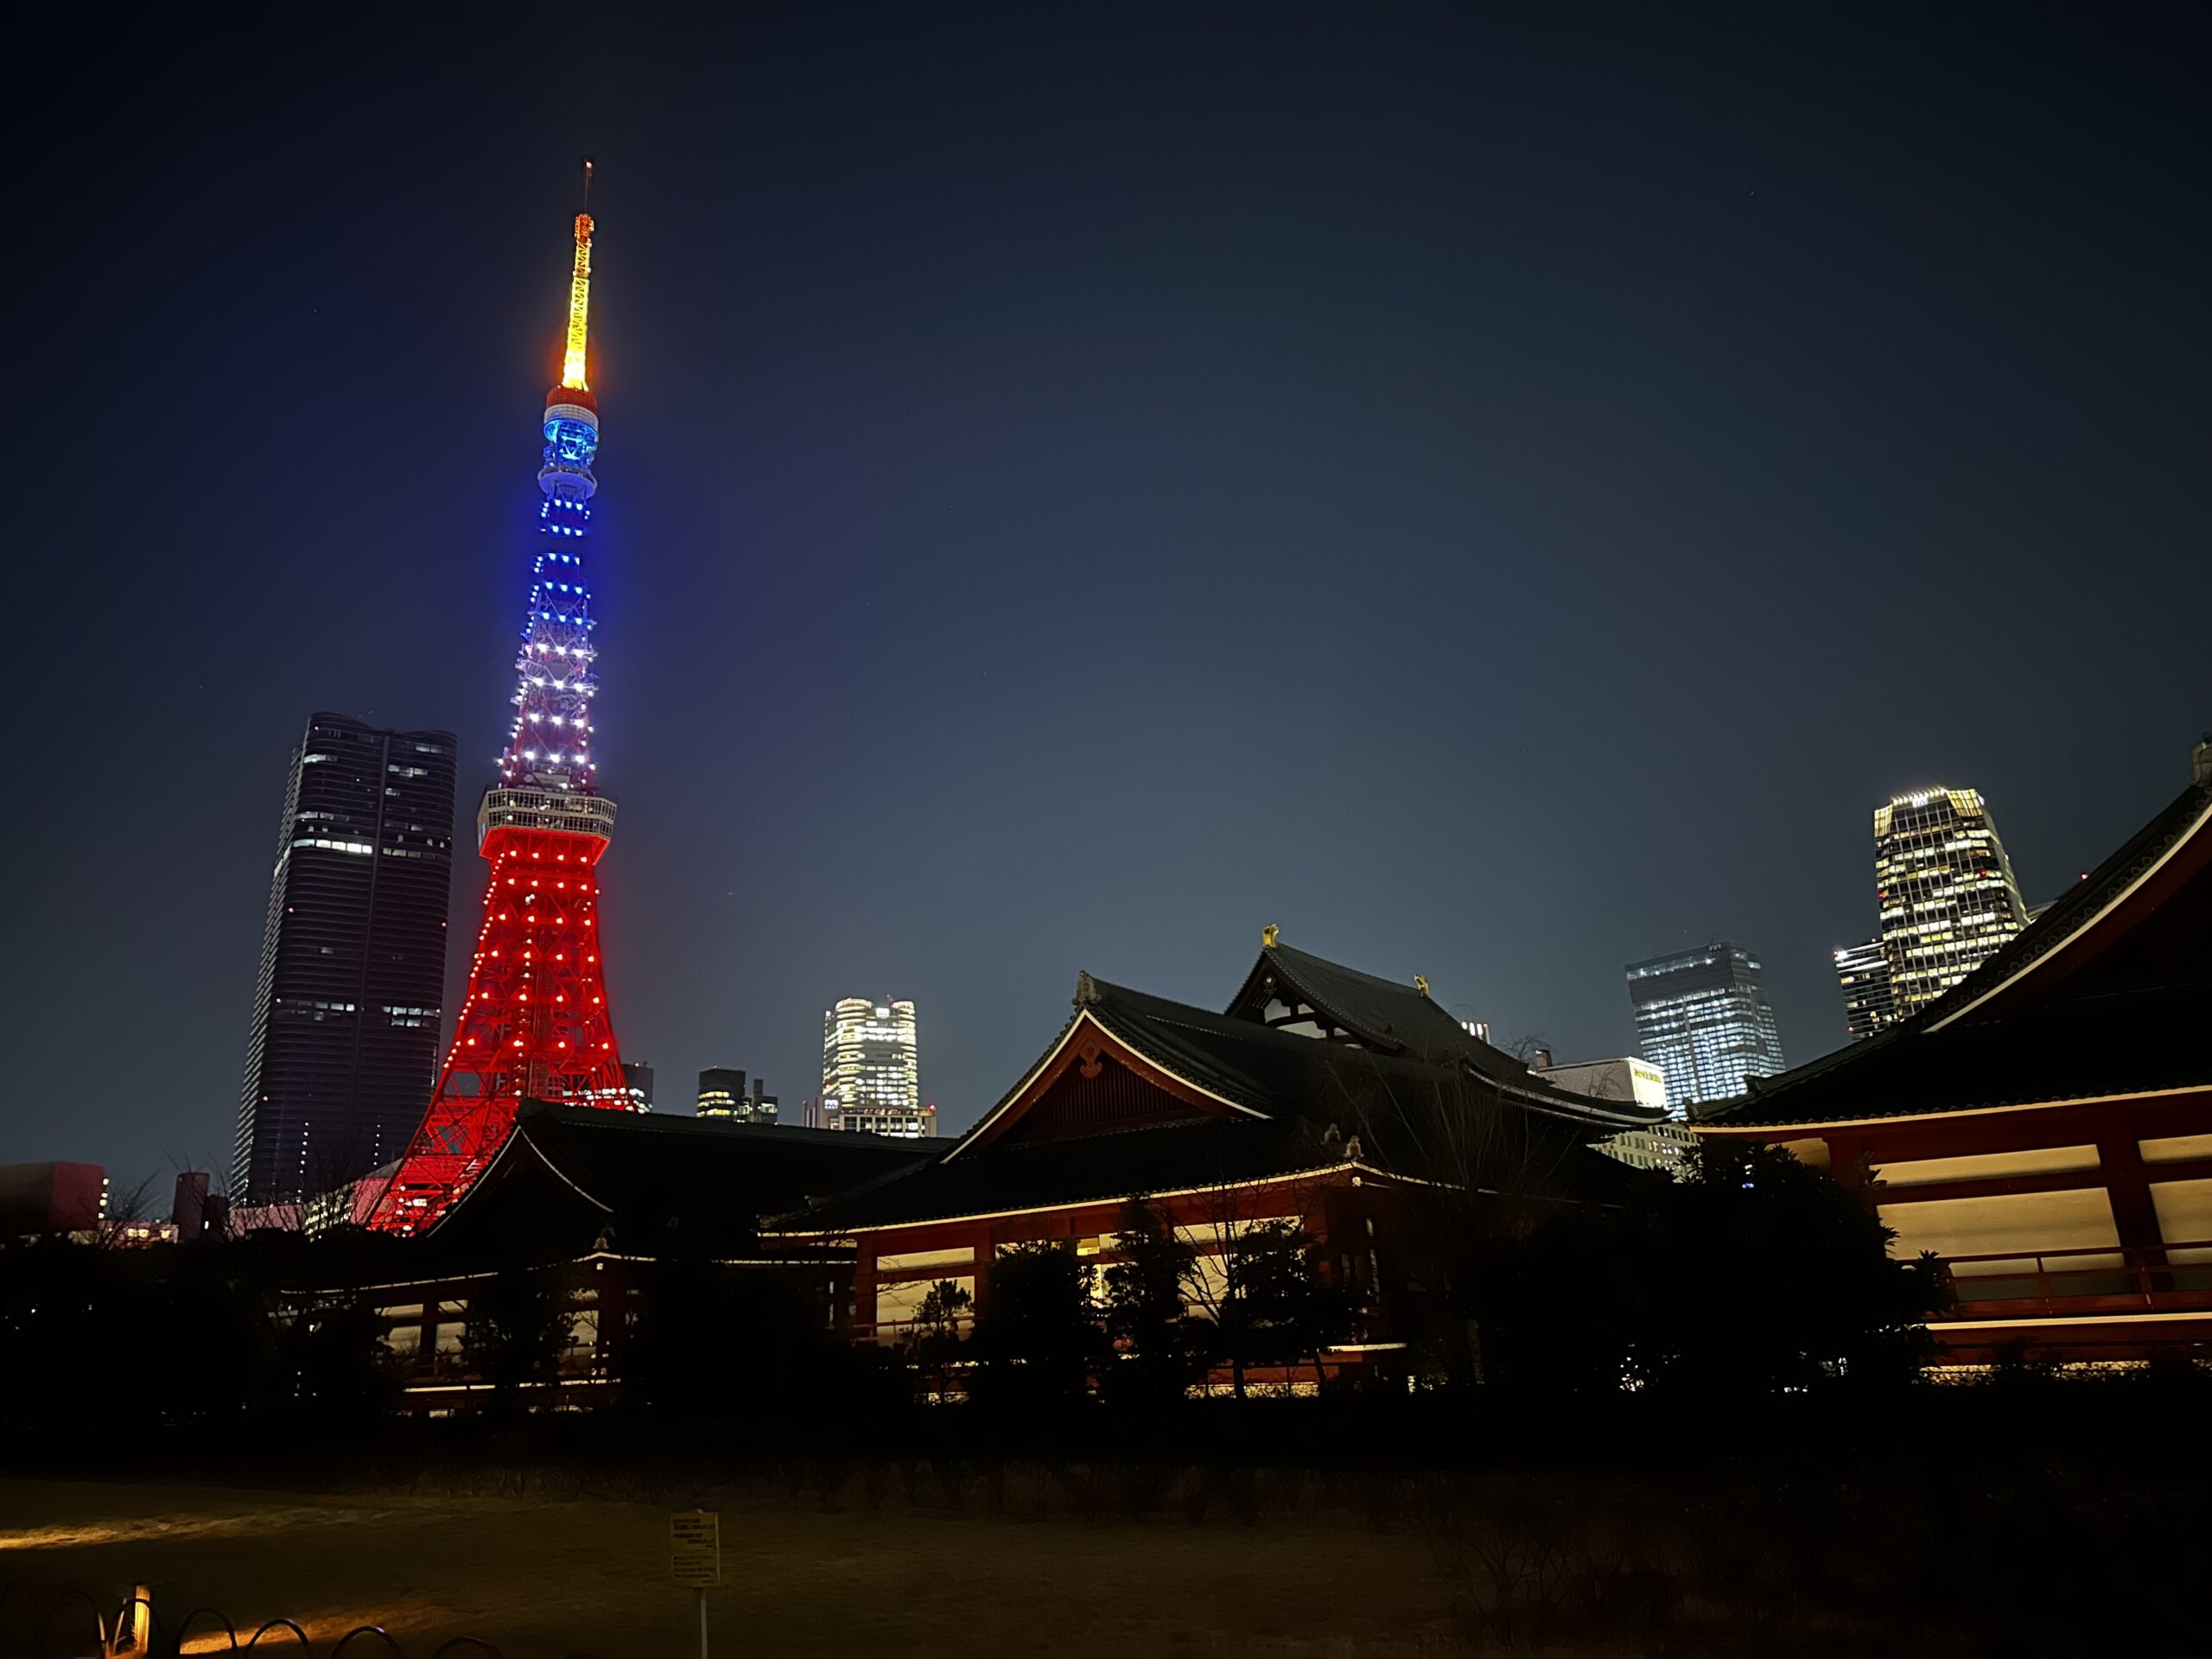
(572,362)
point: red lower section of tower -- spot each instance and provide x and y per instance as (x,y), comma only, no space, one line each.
(535,1025)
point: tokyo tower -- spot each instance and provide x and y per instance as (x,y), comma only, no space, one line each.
(535,1024)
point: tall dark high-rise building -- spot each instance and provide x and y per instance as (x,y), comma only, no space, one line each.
(346,1013)
(638,1084)
(1703,1019)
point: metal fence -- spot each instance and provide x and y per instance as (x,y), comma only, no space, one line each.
(84,1624)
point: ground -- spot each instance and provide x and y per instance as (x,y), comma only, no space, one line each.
(543,1578)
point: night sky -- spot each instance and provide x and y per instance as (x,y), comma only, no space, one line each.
(1500,492)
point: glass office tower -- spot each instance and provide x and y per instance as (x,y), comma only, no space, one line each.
(1702,1018)
(344,1045)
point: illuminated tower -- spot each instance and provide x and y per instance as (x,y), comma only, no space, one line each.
(535,1023)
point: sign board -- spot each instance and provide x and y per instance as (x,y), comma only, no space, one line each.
(695,1548)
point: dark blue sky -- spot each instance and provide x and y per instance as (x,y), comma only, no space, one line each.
(1500,492)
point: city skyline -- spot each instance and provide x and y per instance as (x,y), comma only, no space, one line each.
(1056,466)
(723,1093)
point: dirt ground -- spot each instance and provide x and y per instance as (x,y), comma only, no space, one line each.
(545,1579)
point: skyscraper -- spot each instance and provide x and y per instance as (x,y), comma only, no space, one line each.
(1869,1003)
(535,1023)
(759,1106)
(720,1088)
(871,1070)
(347,1010)
(1948,897)
(1702,1018)
(722,1093)
(638,1084)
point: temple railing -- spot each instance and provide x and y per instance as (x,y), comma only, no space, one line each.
(2176,1277)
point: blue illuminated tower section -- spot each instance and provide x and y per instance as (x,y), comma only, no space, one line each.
(550,745)
(535,1024)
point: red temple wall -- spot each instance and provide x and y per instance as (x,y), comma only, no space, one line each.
(1335,1206)
(2085,1227)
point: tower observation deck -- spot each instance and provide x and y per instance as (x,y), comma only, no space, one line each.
(535,1022)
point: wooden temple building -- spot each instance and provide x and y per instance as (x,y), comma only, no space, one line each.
(600,1199)
(1321,1095)
(2045,1127)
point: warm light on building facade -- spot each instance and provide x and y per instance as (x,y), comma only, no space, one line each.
(722,1093)
(871,1070)
(1945,887)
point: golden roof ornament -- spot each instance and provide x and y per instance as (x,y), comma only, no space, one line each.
(1420,985)
(1269,935)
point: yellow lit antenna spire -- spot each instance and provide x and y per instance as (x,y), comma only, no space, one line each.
(572,366)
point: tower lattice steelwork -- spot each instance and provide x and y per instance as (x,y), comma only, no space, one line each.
(535,1023)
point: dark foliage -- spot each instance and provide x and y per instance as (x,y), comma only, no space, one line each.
(519,1323)
(1279,1309)
(99,1338)
(1759,1274)
(344,1368)
(934,1345)
(707,1342)
(1160,1349)
(1038,1341)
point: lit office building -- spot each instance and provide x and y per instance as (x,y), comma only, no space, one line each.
(1946,889)
(871,1072)
(722,1093)
(759,1106)
(720,1088)
(1869,1004)
(1702,1018)
(638,1084)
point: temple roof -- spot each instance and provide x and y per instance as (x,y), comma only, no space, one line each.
(2109,992)
(1189,1156)
(1384,1015)
(1262,1102)
(652,1185)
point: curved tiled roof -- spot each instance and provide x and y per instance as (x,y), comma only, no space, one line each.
(1201,1153)
(1397,1019)
(1294,1103)
(651,1182)
(2104,995)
